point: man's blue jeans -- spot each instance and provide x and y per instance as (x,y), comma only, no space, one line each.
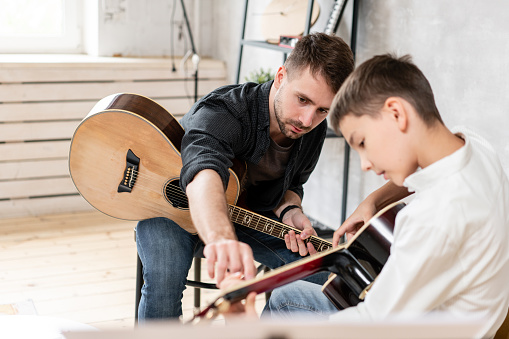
(166,251)
(297,300)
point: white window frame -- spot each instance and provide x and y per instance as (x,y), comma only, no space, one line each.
(71,42)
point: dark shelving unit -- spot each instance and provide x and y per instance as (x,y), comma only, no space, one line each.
(264,44)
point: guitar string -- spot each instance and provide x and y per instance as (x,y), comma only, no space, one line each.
(315,240)
(175,190)
(241,214)
(153,178)
(280,230)
(148,177)
(136,174)
(238,213)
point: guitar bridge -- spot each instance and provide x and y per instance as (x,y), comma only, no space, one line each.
(132,163)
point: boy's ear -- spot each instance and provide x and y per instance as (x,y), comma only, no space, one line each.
(280,75)
(397,110)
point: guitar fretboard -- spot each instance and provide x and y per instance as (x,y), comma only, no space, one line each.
(271,227)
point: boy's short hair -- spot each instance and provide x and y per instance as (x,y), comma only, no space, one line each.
(381,77)
(326,55)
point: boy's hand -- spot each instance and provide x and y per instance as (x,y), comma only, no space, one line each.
(377,200)
(362,214)
(245,307)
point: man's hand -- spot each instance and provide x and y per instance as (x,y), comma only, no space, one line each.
(295,242)
(245,307)
(229,256)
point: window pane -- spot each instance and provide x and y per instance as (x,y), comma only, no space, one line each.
(41,26)
(31,18)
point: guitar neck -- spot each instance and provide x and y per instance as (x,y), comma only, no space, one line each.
(278,277)
(339,260)
(268,226)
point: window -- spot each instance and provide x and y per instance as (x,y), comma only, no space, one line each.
(35,26)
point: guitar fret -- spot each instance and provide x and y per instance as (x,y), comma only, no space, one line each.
(321,246)
(268,227)
(283,232)
(230,212)
(274,228)
(235,215)
(242,218)
(257,223)
(246,219)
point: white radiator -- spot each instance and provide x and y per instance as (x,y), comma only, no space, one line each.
(44,98)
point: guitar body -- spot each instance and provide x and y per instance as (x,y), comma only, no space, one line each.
(371,249)
(125,161)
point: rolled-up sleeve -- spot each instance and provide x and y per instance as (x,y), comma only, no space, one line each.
(208,143)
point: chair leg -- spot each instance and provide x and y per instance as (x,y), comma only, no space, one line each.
(197,277)
(267,294)
(139,285)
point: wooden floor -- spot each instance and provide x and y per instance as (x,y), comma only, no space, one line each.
(80,267)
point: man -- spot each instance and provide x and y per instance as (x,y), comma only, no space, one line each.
(277,129)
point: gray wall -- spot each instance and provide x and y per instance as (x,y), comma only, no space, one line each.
(461,45)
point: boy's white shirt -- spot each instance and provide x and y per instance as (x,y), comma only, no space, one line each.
(451,242)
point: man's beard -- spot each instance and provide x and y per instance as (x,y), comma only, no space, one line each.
(278,110)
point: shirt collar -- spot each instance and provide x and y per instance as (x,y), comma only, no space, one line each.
(263,103)
(442,169)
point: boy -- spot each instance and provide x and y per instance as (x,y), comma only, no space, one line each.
(451,242)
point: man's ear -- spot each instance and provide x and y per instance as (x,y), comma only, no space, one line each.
(280,75)
(397,110)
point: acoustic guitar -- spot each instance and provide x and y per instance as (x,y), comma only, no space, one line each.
(354,266)
(125,161)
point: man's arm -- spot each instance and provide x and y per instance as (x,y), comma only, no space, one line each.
(373,203)
(209,212)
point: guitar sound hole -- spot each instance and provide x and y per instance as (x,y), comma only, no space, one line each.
(174,194)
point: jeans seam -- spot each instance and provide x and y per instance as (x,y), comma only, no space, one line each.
(301,306)
(139,249)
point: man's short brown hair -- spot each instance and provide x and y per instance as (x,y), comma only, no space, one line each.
(326,55)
